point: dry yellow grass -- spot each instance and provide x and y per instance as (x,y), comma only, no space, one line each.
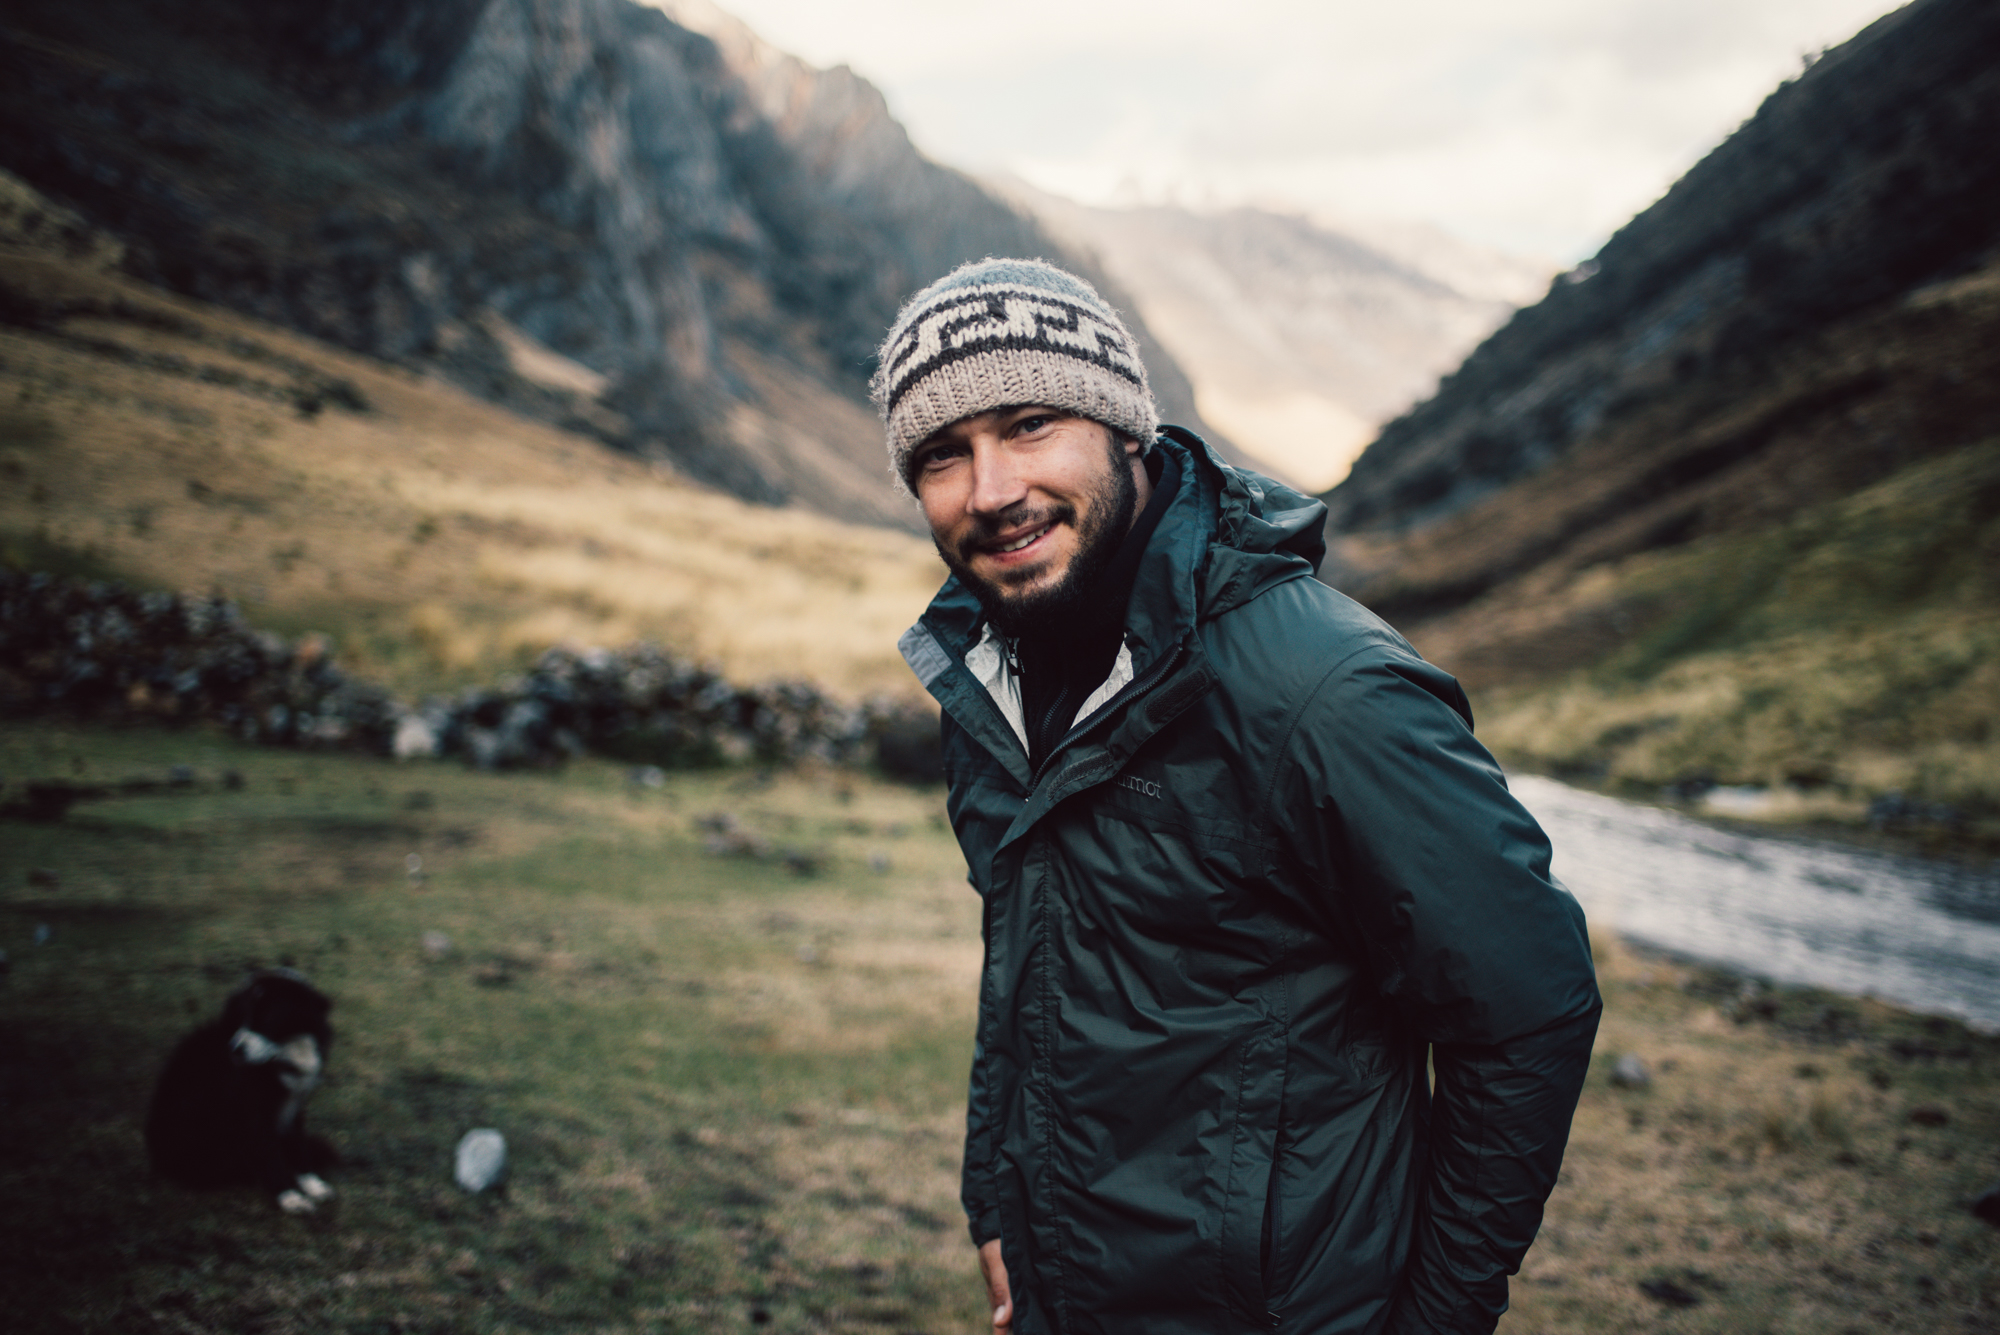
(437,537)
(1773,1172)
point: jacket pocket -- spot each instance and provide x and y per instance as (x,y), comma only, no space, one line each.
(1271,1267)
(1252,1177)
(1368,1058)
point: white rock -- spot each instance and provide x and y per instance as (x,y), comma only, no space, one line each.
(415,738)
(1631,1072)
(1740,800)
(481,1159)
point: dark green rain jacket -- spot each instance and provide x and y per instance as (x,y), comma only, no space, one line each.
(1225,925)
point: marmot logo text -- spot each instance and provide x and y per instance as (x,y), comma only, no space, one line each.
(1143,787)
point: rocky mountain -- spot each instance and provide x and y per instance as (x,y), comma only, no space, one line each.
(1725,504)
(1860,181)
(1302,336)
(677,240)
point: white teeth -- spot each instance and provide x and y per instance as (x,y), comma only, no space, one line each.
(1017,546)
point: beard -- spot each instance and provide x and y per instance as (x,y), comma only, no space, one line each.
(1070,599)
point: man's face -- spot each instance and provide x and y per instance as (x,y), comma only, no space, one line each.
(1025,505)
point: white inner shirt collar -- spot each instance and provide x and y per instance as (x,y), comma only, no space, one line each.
(991,661)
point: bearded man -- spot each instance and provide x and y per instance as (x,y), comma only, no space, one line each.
(1245,871)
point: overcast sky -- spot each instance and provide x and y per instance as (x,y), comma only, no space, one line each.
(1537,126)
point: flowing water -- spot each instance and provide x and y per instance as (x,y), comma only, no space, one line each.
(1922,933)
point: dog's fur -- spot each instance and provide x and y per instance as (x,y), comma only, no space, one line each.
(230,1105)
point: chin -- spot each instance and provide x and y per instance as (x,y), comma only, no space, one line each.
(1026,585)
(1024,590)
(1017,598)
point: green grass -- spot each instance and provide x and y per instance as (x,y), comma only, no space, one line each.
(1926,539)
(734,1093)
(1850,652)
(728,1089)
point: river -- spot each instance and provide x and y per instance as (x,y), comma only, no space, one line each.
(1922,933)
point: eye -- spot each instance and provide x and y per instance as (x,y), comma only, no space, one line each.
(1031,425)
(938,454)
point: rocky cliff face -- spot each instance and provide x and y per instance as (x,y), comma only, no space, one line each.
(1870,175)
(853,154)
(676,240)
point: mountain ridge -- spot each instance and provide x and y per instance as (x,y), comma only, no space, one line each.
(1853,183)
(1725,506)
(608,185)
(1302,335)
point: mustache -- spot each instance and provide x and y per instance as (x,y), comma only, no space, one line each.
(1015,518)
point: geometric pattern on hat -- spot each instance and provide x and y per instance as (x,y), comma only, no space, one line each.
(1002,333)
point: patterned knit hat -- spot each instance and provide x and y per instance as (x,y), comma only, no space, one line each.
(1004,333)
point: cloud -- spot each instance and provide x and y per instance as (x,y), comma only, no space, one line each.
(1539,124)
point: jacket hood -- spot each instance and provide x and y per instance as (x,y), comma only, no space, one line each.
(1265,533)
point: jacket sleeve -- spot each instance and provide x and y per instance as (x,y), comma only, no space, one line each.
(1442,879)
(976,1189)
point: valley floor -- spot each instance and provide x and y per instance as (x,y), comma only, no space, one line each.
(724,1024)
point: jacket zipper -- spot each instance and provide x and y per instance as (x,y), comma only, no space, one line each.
(1133,689)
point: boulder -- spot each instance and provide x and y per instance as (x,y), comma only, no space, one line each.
(1631,1073)
(481,1159)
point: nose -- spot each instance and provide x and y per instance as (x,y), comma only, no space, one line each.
(997,481)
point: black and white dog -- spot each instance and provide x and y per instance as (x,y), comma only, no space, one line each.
(230,1105)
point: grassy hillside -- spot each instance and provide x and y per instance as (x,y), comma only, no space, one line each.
(1789,578)
(733,1091)
(578,209)
(1722,506)
(1861,181)
(436,538)
(1849,652)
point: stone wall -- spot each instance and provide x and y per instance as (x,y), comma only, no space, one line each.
(100,651)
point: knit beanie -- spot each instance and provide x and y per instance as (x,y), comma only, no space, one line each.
(1005,333)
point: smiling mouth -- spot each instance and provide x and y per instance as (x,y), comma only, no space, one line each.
(1003,549)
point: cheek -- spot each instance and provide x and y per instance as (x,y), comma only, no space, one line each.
(942,503)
